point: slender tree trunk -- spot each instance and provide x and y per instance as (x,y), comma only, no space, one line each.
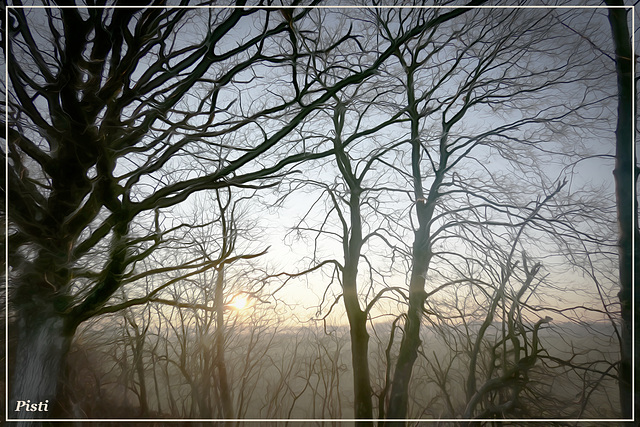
(421,258)
(626,200)
(352,250)
(223,382)
(139,366)
(363,407)
(155,381)
(408,353)
(206,380)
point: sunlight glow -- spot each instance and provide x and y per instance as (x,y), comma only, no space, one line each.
(239,303)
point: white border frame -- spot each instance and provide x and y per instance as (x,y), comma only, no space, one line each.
(456,420)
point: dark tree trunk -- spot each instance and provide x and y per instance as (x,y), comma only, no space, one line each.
(139,367)
(42,347)
(43,330)
(363,407)
(45,323)
(408,353)
(421,258)
(352,250)
(626,200)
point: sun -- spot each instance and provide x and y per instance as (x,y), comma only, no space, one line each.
(239,303)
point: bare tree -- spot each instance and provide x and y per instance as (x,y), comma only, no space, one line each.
(106,107)
(514,374)
(452,203)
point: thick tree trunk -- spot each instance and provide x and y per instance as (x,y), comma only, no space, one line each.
(42,347)
(46,322)
(625,198)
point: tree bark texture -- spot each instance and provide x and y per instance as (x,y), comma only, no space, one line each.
(41,350)
(627,204)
